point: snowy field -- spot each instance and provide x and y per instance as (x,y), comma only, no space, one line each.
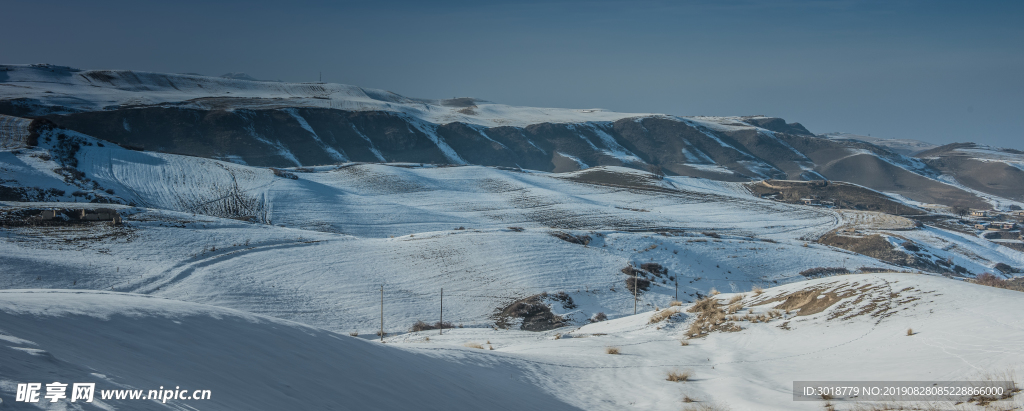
(261,276)
(129,341)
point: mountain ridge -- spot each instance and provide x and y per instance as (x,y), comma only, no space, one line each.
(275,124)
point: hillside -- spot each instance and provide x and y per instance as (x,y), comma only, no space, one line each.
(246,361)
(315,246)
(858,331)
(137,268)
(309,124)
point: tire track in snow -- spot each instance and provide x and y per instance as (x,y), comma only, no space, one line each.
(187,268)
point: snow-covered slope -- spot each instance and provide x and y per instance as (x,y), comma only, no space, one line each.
(856,332)
(248,362)
(325,241)
(74,90)
(869,327)
(308,124)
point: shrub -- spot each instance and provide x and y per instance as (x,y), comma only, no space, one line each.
(565,299)
(516,229)
(990,280)
(679,376)
(422,326)
(284,174)
(675,303)
(612,350)
(757,290)
(581,240)
(1016,284)
(353,334)
(1006,268)
(910,331)
(654,268)
(598,317)
(823,271)
(641,284)
(911,246)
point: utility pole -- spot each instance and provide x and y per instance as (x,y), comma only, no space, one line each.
(440,328)
(381,313)
(677,287)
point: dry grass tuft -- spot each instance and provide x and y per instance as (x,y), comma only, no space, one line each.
(688,399)
(704,305)
(705,407)
(353,334)
(733,308)
(474,345)
(910,331)
(679,376)
(612,350)
(490,348)
(675,303)
(663,315)
(715,292)
(735,299)
(684,343)
(710,317)
(757,290)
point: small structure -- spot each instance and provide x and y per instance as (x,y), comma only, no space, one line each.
(979,213)
(98,214)
(1002,226)
(981,226)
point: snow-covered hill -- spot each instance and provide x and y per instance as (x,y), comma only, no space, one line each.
(316,246)
(870,327)
(550,241)
(308,124)
(131,342)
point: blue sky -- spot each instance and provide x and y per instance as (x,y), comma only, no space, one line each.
(936,71)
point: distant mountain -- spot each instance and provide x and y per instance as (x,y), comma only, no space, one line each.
(239,76)
(902,146)
(304,124)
